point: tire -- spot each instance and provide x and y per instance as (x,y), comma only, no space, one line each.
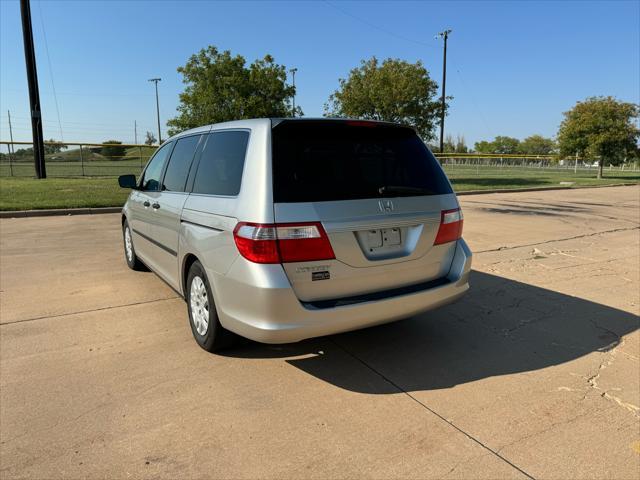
(203,317)
(130,256)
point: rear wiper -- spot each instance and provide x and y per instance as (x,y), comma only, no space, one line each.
(401,190)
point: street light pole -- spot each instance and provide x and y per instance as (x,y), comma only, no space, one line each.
(156,80)
(293,76)
(444,35)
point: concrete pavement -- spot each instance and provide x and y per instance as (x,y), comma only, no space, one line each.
(535,374)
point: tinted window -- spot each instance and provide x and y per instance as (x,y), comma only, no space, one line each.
(221,164)
(151,177)
(179,164)
(316,161)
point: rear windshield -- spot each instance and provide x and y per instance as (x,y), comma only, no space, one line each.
(318,161)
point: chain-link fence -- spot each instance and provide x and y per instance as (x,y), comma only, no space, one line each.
(74,159)
(111,160)
(496,165)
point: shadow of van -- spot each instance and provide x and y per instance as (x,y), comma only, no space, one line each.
(500,327)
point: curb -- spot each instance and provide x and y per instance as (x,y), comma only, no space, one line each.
(98,210)
(59,212)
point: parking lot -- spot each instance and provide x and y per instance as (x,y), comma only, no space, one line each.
(534,374)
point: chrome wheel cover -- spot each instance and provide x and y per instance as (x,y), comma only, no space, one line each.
(199,303)
(128,244)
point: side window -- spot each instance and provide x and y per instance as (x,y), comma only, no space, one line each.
(221,163)
(151,177)
(179,164)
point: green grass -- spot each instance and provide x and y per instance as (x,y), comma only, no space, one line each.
(28,193)
(31,194)
(461,184)
(470,177)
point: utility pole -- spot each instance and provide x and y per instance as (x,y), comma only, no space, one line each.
(444,35)
(11,149)
(135,132)
(293,76)
(34,95)
(156,80)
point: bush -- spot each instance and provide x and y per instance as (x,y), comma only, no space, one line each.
(114,150)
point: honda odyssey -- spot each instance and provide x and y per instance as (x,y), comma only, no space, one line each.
(284,229)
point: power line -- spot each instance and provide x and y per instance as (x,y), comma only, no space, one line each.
(107,131)
(94,94)
(377,27)
(66,122)
(53,85)
(475,104)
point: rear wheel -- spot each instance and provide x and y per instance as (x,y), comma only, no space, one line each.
(133,261)
(205,325)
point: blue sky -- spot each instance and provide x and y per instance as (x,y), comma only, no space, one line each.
(513,67)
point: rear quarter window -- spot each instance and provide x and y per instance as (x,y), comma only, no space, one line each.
(221,163)
(315,161)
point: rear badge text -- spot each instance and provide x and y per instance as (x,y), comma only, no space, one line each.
(320,276)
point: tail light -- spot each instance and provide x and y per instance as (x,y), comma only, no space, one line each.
(450,226)
(283,242)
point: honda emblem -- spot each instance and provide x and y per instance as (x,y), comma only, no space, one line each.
(386,206)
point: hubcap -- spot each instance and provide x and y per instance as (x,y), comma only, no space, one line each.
(128,244)
(199,303)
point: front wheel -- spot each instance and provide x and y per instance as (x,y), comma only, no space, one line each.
(133,261)
(205,325)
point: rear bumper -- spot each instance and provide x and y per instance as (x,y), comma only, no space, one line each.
(257,302)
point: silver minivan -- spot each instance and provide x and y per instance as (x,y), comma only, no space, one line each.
(284,229)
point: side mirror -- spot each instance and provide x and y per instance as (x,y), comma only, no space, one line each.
(127,181)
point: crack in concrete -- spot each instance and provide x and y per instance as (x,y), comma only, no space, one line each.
(98,407)
(460,463)
(59,422)
(544,430)
(525,323)
(610,351)
(429,409)
(591,263)
(513,247)
(100,309)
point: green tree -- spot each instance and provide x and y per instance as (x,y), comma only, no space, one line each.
(461,144)
(449,145)
(483,147)
(393,91)
(53,146)
(150,138)
(220,87)
(500,144)
(113,150)
(505,145)
(600,127)
(457,145)
(537,145)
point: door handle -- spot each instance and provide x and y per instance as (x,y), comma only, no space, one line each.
(146,203)
(156,205)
